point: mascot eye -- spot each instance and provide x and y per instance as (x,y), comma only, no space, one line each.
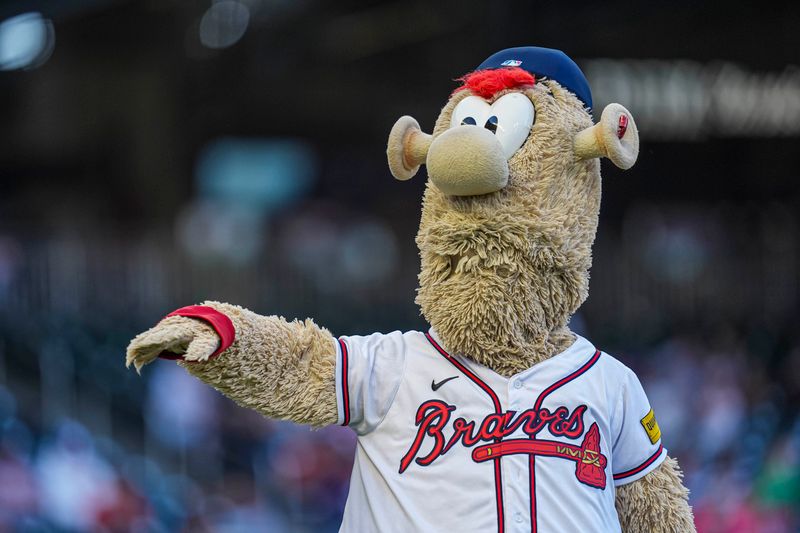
(471,111)
(515,115)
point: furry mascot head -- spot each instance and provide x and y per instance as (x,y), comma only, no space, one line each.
(511,207)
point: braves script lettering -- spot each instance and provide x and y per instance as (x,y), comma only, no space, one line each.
(433,418)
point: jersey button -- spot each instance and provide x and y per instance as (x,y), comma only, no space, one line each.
(517,384)
(518,518)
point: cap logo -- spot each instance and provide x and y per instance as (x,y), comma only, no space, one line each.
(543,63)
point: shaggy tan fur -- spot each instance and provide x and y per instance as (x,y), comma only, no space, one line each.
(657,503)
(281,369)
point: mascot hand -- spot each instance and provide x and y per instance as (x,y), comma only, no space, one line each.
(183,338)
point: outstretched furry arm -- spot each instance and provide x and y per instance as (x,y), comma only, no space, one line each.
(656,503)
(281,369)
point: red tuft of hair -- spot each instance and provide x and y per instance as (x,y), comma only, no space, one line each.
(487,83)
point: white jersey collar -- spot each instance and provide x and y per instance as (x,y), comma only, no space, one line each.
(574,356)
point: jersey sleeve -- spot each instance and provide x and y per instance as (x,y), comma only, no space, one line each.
(637,449)
(369,371)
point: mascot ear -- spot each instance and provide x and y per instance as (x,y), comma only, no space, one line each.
(407,148)
(614,137)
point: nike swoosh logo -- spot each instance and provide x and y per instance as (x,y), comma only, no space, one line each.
(435,386)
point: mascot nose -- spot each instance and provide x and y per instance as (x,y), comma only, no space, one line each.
(467,161)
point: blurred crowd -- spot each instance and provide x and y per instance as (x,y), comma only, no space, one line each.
(206,465)
(733,424)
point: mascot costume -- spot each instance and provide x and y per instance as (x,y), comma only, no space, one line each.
(498,418)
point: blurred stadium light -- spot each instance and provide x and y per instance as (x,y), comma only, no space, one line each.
(240,183)
(224,24)
(263,174)
(26,41)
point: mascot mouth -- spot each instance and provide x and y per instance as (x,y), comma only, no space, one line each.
(470,263)
(475,237)
(459,261)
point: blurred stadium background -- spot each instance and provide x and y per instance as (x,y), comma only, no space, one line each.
(156,153)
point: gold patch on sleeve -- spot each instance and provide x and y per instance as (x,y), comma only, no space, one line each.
(651,426)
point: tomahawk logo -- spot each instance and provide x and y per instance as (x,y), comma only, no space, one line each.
(433,417)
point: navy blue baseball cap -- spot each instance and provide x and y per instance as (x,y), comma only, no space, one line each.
(545,63)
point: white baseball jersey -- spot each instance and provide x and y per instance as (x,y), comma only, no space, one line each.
(446,444)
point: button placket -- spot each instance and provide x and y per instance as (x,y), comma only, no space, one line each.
(516,467)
